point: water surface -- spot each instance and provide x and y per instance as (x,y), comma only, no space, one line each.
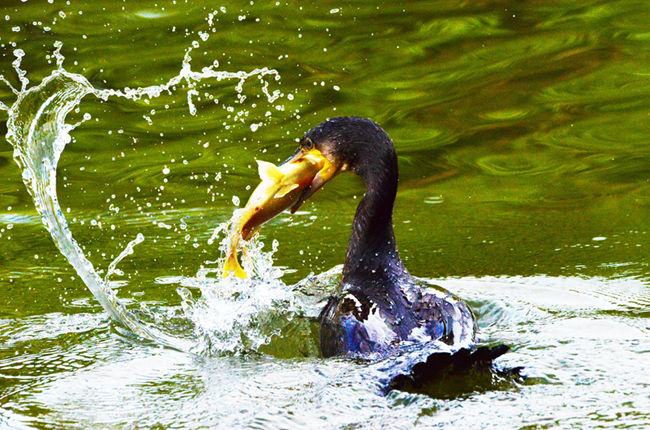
(521,131)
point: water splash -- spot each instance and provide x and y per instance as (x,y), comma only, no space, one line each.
(112,268)
(238,315)
(191,78)
(38,132)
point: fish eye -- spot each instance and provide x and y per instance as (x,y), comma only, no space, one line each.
(307,143)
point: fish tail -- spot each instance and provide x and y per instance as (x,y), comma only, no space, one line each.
(232,265)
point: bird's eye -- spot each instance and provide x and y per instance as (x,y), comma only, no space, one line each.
(307,143)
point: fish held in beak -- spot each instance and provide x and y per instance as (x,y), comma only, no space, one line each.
(282,187)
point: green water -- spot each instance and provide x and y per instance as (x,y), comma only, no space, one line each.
(521,130)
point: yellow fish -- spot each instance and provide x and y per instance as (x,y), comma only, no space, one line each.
(284,186)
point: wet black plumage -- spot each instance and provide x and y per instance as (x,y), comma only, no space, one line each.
(379,304)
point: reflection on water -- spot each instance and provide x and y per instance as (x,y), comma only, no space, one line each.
(524,123)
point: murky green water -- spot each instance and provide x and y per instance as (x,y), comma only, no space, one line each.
(522,132)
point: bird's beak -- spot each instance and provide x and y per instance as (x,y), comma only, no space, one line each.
(327,172)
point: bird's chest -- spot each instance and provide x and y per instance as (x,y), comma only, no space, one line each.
(379,319)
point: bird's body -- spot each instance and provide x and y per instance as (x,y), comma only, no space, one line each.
(379,304)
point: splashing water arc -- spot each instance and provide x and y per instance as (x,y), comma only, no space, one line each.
(39,134)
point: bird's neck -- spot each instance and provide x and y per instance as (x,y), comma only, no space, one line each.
(372,251)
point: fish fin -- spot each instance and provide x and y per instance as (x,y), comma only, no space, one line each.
(269,171)
(232,265)
(285,190)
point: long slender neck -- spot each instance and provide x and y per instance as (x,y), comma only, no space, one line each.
(372,252)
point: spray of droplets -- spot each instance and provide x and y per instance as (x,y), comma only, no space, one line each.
(230,314)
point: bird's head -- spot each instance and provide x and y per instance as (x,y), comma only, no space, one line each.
(344,143)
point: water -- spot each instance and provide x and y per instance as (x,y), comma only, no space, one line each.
(520,130)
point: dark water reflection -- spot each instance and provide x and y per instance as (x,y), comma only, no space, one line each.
(521,130)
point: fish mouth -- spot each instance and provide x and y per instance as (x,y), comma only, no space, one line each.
(324,175)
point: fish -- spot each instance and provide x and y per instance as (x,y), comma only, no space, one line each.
(282,187)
